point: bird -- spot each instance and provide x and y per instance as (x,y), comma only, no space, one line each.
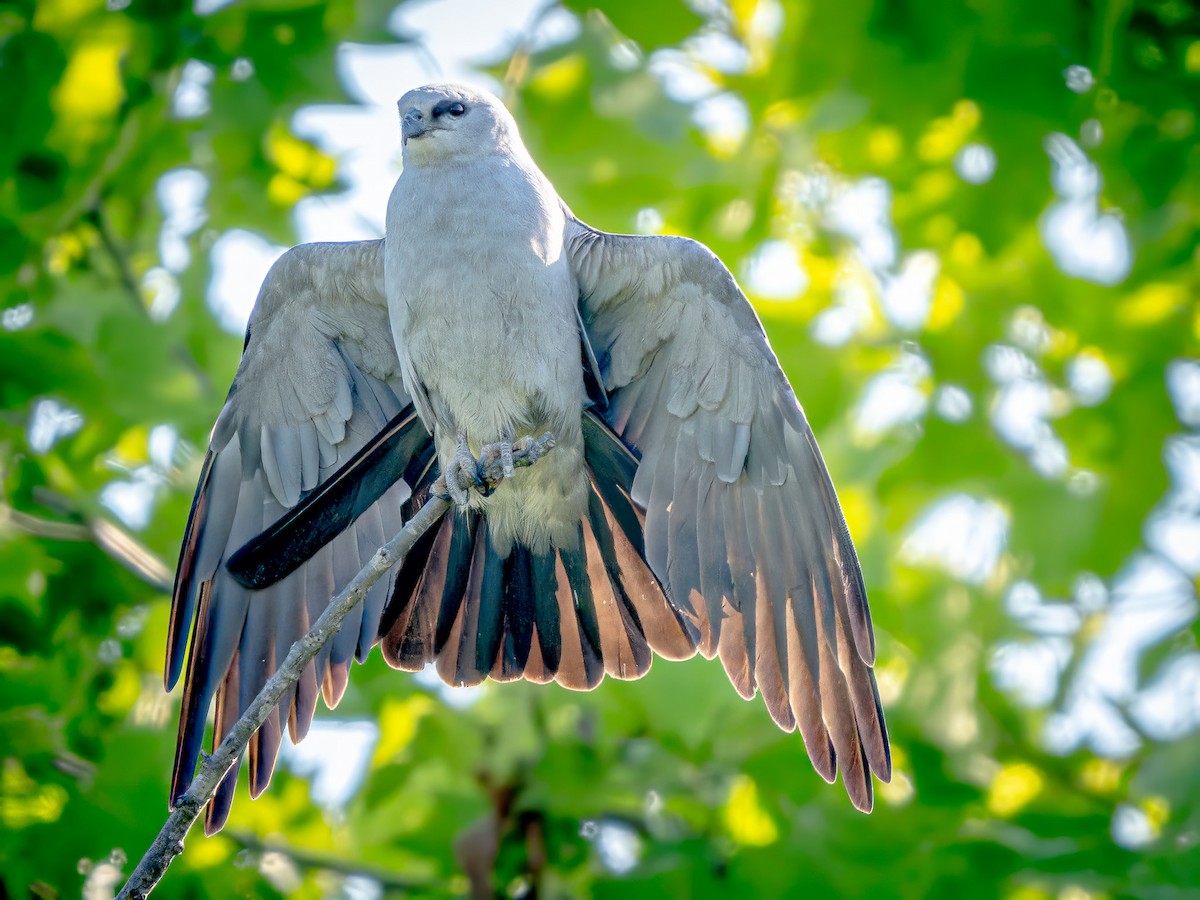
(685,508)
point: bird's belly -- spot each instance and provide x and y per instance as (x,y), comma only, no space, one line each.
(499,357)
(495,354)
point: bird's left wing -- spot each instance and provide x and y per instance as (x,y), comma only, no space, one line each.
(742,525)
(318,390)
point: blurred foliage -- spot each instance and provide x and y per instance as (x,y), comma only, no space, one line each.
(700,787)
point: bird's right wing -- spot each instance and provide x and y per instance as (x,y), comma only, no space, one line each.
(318,382)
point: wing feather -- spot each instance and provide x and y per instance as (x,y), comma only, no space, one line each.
(742,524)
(318,379)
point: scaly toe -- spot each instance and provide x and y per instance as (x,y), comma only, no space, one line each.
(454,486)
(467,462)
(506,459)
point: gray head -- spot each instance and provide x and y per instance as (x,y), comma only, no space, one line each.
(443,122)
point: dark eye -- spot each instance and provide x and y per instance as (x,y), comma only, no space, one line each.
(456,109)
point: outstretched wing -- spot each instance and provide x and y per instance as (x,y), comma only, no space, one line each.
(742,524)
(318,381)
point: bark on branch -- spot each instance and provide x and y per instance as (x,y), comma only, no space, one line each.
(169,842)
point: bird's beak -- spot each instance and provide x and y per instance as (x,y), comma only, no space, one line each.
(412,125)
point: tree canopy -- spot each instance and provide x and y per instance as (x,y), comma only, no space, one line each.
(970,230)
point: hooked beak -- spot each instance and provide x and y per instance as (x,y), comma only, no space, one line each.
(412,125)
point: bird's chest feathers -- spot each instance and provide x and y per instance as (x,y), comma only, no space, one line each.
(473,241)
(481,297)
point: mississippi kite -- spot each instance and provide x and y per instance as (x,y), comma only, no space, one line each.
(686,507)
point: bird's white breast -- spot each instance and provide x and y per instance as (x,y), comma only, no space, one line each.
(482,301)
(483,311)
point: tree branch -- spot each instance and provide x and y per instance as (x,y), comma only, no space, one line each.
(113,540)
(169,842)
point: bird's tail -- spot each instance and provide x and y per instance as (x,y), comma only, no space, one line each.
(571,614)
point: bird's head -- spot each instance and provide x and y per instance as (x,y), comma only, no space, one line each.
(452,121)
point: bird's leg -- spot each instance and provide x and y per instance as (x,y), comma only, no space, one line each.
(462,472)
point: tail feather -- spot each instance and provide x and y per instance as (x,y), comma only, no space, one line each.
(456,658)
(579,586)
(486,607)
(454,585)
(545,612)
(518,613)
(536,669)
(571,614)
(580,668)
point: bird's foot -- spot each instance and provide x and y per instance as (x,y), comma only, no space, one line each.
(462,473)
(496,462)
(503,453)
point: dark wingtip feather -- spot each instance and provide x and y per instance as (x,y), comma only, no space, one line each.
(304,705)
(264,751)
(333,686)
(224,716)
(877,746)
(194,706)
(845,556)
(823,757)
(433,572)
(217,813)
(183,596)
(856,778)
(405,589)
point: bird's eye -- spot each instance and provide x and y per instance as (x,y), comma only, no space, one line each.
(456,109)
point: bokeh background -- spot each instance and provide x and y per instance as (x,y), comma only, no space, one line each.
(970,229)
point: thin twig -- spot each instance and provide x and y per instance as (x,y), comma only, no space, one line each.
(327,862)
(518,61)
(169,842)
(124,270)
(43,528)
(109,537)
